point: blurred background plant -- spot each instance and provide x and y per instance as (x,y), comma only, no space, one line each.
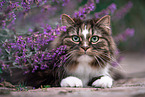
(27,26)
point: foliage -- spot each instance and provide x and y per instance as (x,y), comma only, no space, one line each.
(21,87)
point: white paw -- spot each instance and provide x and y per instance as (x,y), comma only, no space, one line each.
(104,82)
(71,82)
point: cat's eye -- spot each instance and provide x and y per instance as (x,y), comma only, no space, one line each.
(76,38)
(94,39)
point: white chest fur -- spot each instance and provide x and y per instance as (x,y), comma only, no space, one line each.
(85,72)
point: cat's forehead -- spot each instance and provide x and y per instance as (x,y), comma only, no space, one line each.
(84,29)
(87,30)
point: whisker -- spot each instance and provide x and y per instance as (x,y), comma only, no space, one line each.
(103,54)
(69,58)
(98,61)
(68,62)
(118,64)
(101,59)
(113,60)
(69,52)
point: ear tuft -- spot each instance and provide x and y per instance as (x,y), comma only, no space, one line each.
(66,20)
(104,22)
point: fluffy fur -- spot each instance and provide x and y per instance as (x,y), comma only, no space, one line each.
(90,53)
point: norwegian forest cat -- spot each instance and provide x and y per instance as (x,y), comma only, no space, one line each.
(90,49)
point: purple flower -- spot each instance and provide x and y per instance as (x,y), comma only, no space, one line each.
(86,10)
(1,4)
(27,50)
(26,6)
(97,1)
(3,24)
(26,72)
(129,32)
(112,7)
(15,4)
(122,11)
(9,17)
(30,30)
(65,2)
(109,10)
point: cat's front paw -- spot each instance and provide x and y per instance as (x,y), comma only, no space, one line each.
(103,82)
(71,82)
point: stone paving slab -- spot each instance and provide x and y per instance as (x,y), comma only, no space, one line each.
(134,91)
(134,87)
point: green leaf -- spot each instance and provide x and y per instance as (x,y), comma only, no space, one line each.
(47,86)
(7,51)
(1,70)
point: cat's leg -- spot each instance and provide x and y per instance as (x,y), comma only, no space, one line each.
(104,82)
(71,82)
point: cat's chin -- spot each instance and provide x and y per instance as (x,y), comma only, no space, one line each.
(85,58)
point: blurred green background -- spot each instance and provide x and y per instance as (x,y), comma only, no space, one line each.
(135,18)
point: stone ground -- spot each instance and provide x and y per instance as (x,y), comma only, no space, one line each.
(133,66)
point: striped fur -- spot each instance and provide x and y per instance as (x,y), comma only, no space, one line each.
(85,56)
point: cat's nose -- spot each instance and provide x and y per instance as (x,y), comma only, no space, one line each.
(85,47)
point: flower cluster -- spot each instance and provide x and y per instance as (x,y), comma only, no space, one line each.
(109,10)
(7,15)
(44,59)
(12,9)
(122,11)
(30,51)
(90,6)
(129,32)
(97,1)
(64,2)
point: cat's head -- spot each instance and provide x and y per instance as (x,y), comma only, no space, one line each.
(90,37)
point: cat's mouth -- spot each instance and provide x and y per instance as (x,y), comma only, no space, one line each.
(86,52)
(90,54)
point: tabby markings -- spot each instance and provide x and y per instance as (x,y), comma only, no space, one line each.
(85,32)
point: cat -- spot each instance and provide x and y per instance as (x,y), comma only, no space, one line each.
(90,50)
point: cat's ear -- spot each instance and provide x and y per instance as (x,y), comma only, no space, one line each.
(66,20)
(104,22)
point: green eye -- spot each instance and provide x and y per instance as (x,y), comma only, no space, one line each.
(94,39)
(76,38)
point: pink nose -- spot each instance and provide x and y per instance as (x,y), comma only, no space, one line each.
(85,47)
